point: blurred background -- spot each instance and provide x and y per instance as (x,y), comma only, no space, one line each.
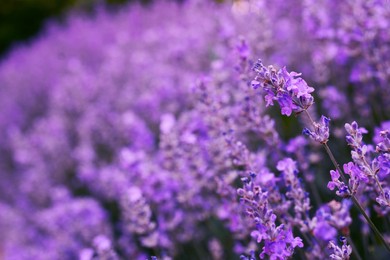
(20,20)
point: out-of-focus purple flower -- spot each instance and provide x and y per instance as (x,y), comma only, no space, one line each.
(324,231)
(298,147)
(136,213)
(334,101)
(377,131)
(104,248)
(252,256)
(282,246)
(296,193)
(340,217)
(331,218)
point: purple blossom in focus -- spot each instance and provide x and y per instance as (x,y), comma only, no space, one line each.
(342,189)
(321,131)
(287,88)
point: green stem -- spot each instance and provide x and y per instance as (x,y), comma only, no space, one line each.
(336,165)
(354,249)
(372,225)
(382,193)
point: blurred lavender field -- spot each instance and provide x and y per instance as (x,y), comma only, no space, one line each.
(181,131)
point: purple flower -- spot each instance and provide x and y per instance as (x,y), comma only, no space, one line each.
(286,104)
(377,132)
(287,88)
(383,161)
(383,145)
(288,166)
(296,85)
(282,246)
(324,231)
(122,136)
(331,218)
(338,253)
(335,102)
(279,241)
(356,176)
(384,198)
(321,131)
(104,248)
(342,189)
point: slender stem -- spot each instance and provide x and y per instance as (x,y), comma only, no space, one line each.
(379,185)
(372,225)
(336,165)
(354,249)
(311,119)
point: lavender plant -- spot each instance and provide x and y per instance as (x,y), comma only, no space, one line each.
(152,133)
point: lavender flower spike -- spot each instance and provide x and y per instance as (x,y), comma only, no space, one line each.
(321,130)
(287,88)
(279,242)
(342,189)
(342,253)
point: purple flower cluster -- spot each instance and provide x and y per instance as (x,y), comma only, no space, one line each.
(279,242)
(287,88)
(149,133)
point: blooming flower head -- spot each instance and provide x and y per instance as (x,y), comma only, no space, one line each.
(340,253)
(287,88)
(342,189)
(321,131)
